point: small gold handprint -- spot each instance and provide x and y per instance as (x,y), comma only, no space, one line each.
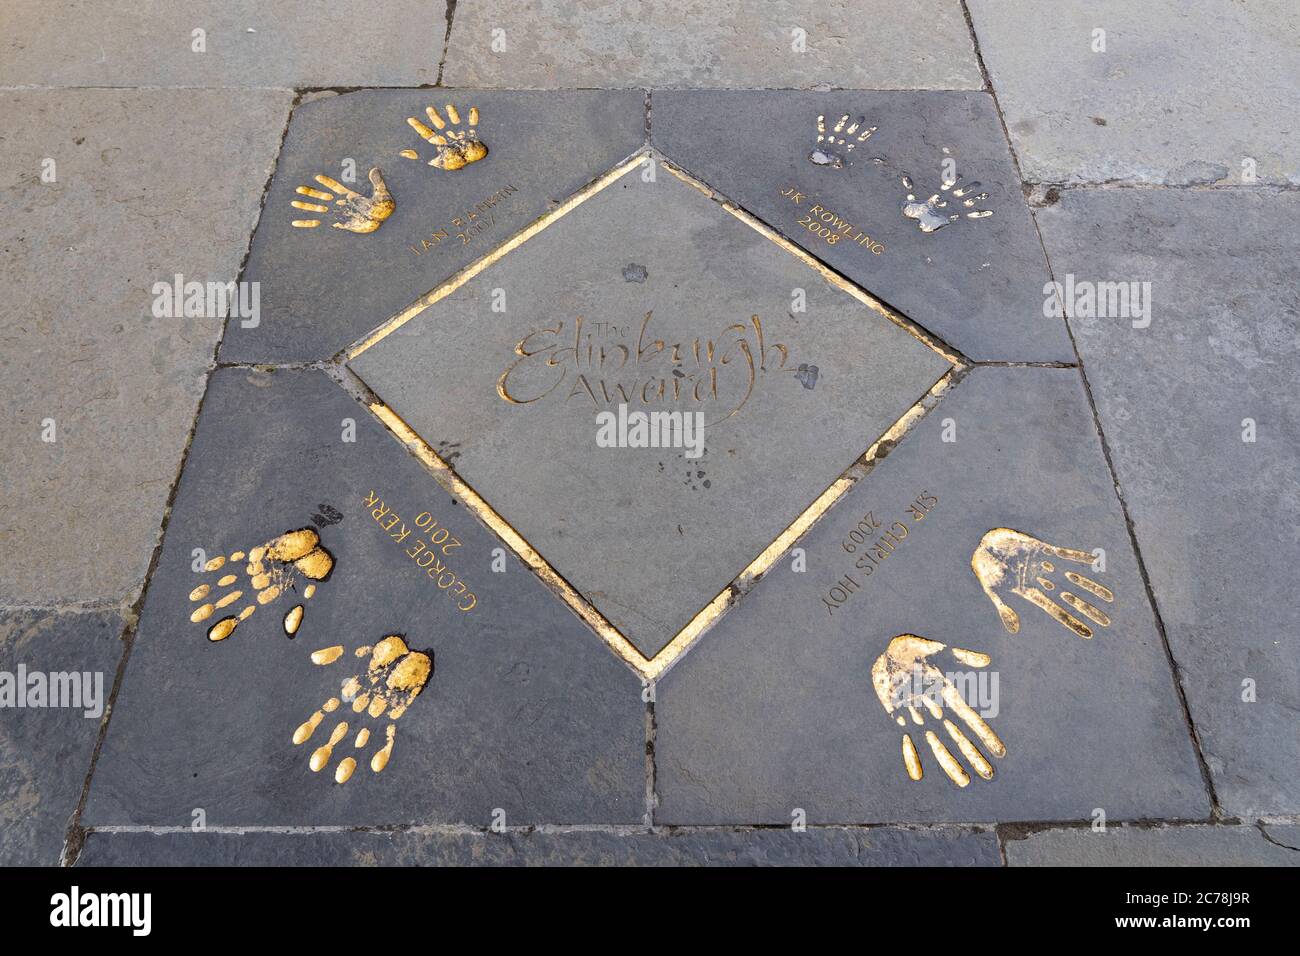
(391,682)
(932,215)
(272,570)
(906,680)
(356,212)
(456,147)
(1011,562)
(832,149)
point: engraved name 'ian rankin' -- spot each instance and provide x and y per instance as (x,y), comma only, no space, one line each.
(602,364)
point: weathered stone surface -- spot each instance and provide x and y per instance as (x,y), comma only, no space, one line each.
(976,283)
(1086,724)
(210,726)
(1182,93)
(46,745)
(649,534)
(877,846)
(79,343)
(1215,515)
(290,43)
(322,287)
(726,43)
(1150,846)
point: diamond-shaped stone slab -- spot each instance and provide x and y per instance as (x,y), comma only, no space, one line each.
(504,375)
(321,288)
(210,726)
(976,283)
(1086,724)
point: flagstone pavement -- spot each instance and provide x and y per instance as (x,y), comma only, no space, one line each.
(989,308)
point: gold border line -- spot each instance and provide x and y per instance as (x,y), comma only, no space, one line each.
(650,669)
(460,278)
(446,476)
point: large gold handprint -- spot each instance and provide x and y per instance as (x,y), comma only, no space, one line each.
(354,212)
(905,680)
(391,682)
(456,148)
(1011,562)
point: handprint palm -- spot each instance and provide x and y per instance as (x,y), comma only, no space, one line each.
(1010,562)
(833,148)
(391,682)
(355,212)
(932,215)
(905,680)
(272,571)
(456,148)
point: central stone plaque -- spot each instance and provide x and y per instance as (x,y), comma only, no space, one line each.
(537,380)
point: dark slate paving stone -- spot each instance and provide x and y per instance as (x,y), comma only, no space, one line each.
(322,288)
(45,751)
(877,846)
(774,709)
(647,534)
(1154,846)
(526,710)
(978,284)
(1215,516)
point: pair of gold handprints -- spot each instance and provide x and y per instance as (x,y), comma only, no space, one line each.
(833,149)
(1010,566)
(456,144)
(392,679)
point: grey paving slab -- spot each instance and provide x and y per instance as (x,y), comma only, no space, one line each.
(1215,515)
(56,672)
(99,391)
(840,190)
(1181,93)
(876,846)
(728,43)
(324,287)
(489,668)
(1150,846)
(290,43)
(666,302)
(812,667)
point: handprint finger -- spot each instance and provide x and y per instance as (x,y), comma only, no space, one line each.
(910,758)
(1086,609)
(321,756)
(956,773)
(971,658)
(1070,554)
(308,726)
(336,186)
(1055,611)
(969,751)
(1091,586)
(957,704)
(380,760)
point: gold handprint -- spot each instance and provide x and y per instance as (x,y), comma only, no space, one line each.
(932,215)
(456,147)
(1011,562)
(272,570)
(905,679)
(832,149)
(391,682)
(356,212)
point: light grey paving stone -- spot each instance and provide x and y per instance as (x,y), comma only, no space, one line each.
(727,43)
(56,672)
(877,846)
(1149,846)
(526,711)
(976,283)
(1183,93)
(775,710)
(683,307)
(290,43)
(322,288)
(1215,516)
(79,342)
